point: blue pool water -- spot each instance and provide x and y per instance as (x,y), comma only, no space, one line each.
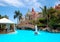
(29,36)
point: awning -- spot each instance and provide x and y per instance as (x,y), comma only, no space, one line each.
(4,20)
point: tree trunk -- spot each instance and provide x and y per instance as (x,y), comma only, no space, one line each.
(17,20)
(47,21)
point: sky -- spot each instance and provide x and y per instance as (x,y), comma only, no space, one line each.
(8,7)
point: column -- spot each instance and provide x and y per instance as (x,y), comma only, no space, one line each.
(14,27)
(8,27)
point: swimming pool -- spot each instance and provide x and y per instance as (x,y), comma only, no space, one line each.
(29,36)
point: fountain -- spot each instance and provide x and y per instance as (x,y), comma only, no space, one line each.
(36,30)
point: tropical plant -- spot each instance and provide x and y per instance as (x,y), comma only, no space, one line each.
(49,15)
(18,15)
(45,13)
(42,20)
(0,16)
(5,16)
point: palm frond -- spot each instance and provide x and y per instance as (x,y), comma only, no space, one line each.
(15,16)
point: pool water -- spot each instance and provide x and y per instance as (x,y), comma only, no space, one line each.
(29,36)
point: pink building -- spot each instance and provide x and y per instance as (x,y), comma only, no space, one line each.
(57,7)
(33,15)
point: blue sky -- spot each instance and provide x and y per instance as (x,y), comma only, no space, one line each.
(7,7)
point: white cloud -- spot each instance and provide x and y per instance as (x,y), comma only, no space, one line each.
(15,3)
(1,4)
(22,3)
(32,4)
(58,2)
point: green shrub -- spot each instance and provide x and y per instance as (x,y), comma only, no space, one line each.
(42,20)
(41,25)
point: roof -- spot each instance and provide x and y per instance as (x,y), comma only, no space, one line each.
(4,20)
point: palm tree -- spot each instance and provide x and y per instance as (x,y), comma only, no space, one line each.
(49,14)
(0,16)
(52,16)
(51,11)
(5,16)
(18,15)
(45,13)
(58,15)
